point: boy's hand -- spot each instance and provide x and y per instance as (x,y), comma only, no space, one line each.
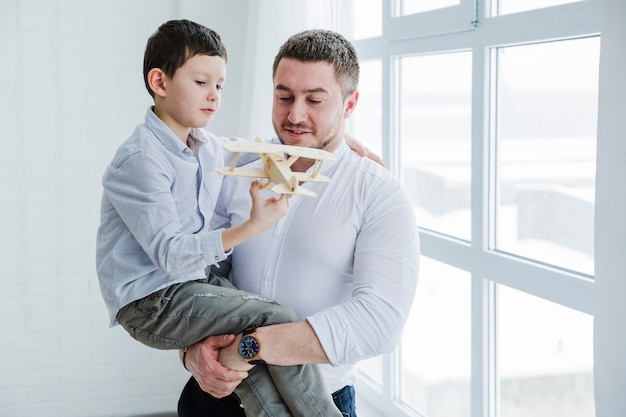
(362,150)
(265,213)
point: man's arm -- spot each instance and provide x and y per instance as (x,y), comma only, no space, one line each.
(281,344)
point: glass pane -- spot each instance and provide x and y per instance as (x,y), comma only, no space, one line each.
(435,131)
(372,369)
(545,357)
(366,18)
(546,141)
(419,6)
(436,345)
(365,123)
(515,6)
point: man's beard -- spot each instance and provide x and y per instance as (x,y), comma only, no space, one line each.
(310,131)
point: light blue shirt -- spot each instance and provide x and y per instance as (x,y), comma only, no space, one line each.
(157,203)
(346,260)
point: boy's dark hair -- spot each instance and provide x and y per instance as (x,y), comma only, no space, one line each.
(324,45)
(175,42)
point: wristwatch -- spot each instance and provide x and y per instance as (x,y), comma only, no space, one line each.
(250,347)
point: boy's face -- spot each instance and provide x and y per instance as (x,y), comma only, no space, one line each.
(192,96)
(308,107)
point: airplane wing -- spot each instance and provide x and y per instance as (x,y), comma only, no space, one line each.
(277,171)
(283,189)
(243,172)
(261,148)
(304,177)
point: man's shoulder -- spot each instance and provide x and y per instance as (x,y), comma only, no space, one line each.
(365,168)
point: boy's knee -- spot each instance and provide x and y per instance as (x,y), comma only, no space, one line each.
(287,314)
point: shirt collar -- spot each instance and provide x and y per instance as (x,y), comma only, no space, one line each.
(167,137)
(339,153)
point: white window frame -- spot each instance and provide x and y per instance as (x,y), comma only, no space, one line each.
(469,27)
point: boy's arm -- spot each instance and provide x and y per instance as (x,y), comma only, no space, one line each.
(263,215)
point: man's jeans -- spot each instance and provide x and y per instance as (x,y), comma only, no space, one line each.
(184,314)
(344,400)
(194,402)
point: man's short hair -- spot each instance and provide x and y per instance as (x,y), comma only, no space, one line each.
(176,41)
(324,45)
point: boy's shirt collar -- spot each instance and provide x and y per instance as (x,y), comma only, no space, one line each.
(169,139)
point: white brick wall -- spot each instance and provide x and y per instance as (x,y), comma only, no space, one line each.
(72,90)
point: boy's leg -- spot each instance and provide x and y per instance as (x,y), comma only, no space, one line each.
(184,314)
(300,387)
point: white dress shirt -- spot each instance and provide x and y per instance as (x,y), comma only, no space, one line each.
(346,260)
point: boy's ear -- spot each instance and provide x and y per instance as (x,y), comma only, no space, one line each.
(157,80)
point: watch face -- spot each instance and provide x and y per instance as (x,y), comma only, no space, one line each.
(249,347)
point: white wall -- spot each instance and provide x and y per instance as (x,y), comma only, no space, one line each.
(610,238)
(72,91)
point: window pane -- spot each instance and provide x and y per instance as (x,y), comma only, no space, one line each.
(372,369)
(515,6)
(419,6)
(545,357)
(365,121)
(366,18)
(435,132)
(546,142)
(435,349)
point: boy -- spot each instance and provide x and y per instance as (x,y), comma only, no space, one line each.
(154,242)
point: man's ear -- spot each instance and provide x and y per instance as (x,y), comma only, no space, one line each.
(157,80)
(351,104)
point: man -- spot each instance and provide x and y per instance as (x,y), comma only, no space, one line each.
(346,260)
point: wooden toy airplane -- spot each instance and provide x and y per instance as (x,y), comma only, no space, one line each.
(276,169)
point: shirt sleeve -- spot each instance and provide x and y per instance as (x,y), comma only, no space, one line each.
(139,188)
(386,264)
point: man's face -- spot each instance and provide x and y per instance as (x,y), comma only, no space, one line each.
(308,108)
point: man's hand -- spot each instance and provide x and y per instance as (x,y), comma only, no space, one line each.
(202,361)
(230,357)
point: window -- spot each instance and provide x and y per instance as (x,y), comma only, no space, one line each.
(367,121)
(435,94)
(487,112)
(514,6)
(419,6)
(544,357)
(435,352)
(545,136)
